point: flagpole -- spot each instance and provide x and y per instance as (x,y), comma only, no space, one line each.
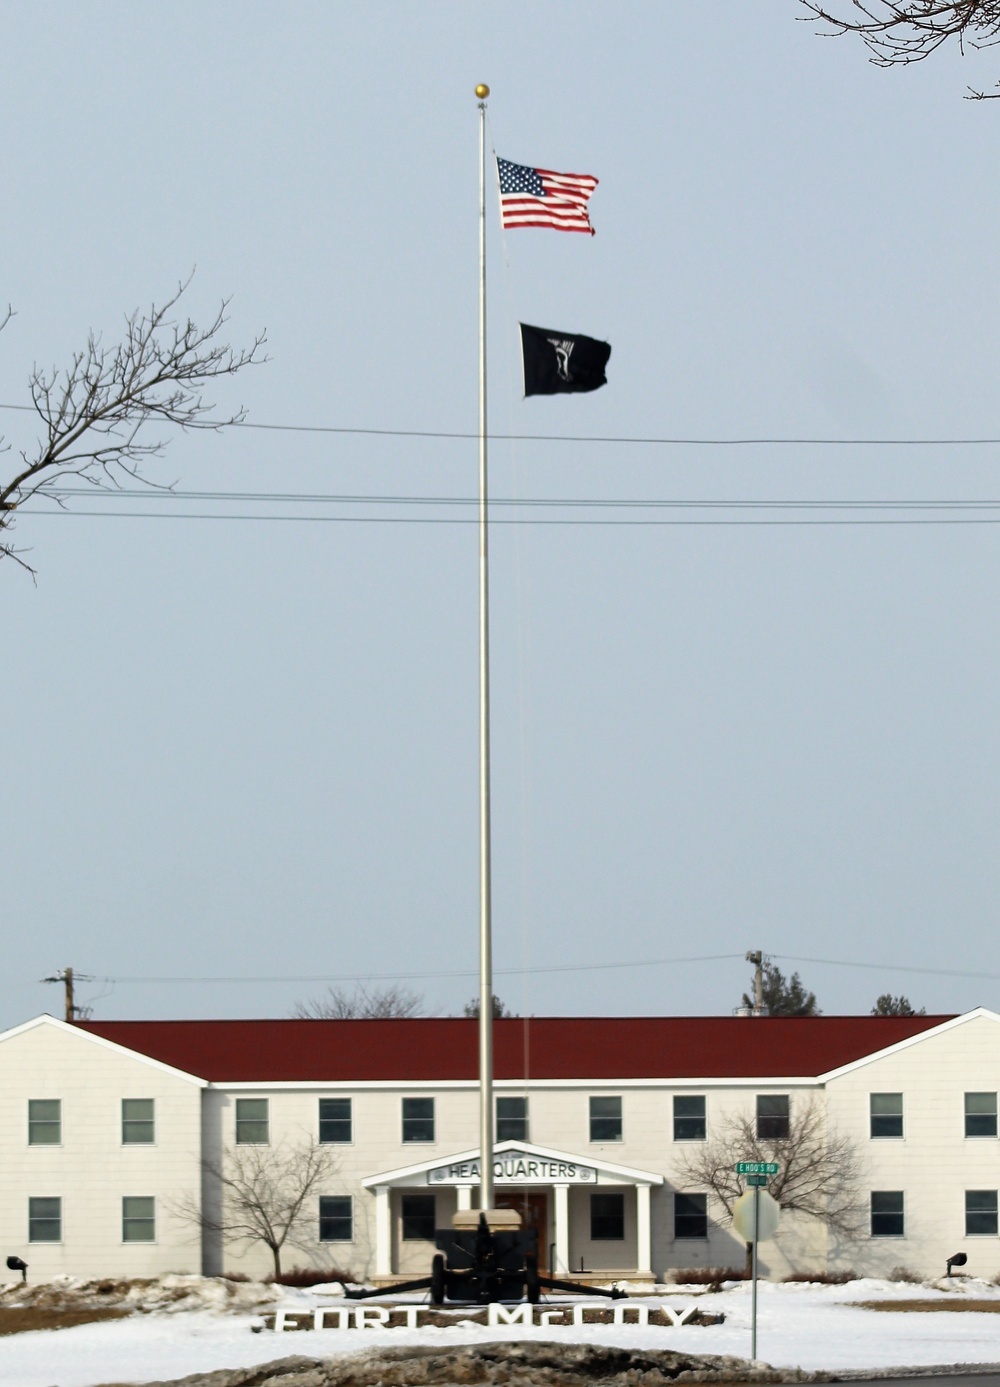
(485,885)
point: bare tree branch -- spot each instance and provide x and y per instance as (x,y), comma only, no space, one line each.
(97,412)
(377,1004)
(265,1192)
(819,1170)
(907,31)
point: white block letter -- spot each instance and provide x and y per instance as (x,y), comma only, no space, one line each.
(341,1311)
(499,1314)
(371,1317)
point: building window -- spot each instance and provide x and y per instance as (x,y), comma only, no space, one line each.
(138,1122)
(139,1219)
(690,1215)
(336,1218)
(887,1213)
(335,1121)
(886,1114)
(44,1220)
(980,1114)
(605,1119)
(512,1119)
(689,1117)
(252,1122)
(772,1116)
(419,1217)
(418,1119)
(44,1122)
(607,1217)
(980,1213)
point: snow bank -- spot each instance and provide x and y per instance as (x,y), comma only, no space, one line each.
(800,1325)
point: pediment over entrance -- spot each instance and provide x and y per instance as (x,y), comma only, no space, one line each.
(515,1163)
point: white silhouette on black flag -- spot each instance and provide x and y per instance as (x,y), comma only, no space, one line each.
(562,363)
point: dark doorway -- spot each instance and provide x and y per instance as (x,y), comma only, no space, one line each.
(534,1211)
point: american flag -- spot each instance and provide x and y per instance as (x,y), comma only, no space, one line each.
(539,197)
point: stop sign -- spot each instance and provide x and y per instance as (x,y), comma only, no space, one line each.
(768,1212)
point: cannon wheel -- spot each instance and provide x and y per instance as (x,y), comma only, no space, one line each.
(531,1282)
(437,1280)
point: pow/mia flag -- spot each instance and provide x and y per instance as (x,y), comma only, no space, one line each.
(561,363)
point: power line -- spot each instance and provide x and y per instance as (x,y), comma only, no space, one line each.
(888,967)
(434,973)
(471,520)
(734,442)
(355,498)
(747,442)
(557,968)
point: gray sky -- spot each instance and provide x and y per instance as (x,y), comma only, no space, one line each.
(237,749)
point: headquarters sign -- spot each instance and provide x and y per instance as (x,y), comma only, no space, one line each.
(515,1168)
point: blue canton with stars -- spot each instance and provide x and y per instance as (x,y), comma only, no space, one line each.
(517,178)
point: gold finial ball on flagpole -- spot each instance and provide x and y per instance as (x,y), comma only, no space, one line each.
(482,91)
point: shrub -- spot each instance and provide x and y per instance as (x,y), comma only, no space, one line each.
(303,1277)
(240,1276)
(904,1274)
(708,1276)
(823,1278)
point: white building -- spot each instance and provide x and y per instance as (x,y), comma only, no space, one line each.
(107,1126)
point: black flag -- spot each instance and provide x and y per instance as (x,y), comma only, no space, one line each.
(561,363)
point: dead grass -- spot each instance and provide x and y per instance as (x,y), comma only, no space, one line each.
(957,1306)
(55,1295)
(21,1319)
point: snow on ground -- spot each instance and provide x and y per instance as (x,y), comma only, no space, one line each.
(808,1326)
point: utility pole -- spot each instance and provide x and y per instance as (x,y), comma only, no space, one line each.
(756,957)
(66,976)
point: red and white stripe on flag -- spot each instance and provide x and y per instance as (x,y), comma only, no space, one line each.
(540,197)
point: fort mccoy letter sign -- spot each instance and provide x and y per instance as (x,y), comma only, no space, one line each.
(515,1168)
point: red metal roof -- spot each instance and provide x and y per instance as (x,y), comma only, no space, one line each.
(434,1049)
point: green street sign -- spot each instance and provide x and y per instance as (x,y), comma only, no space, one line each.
(759,1180)
(756,1168)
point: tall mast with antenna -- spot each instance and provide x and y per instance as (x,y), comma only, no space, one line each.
(485,885)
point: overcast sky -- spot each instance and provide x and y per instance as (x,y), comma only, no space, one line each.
(248,749)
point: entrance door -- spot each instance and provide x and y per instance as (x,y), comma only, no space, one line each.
(534,1211)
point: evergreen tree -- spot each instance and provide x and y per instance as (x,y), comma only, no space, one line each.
(784,996)
(888,1005)
(500,1009)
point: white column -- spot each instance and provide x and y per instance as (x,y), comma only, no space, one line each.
(383,1232)
(643,1235)
(561,1193)
(464,1193)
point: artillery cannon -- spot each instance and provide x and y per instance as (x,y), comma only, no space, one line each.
(487,1256)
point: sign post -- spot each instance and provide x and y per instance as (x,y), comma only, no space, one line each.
(755,1219)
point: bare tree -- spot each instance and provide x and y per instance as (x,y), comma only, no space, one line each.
(906,31)
(266,1195)
(819,1170)
(363,1004)
(96,415)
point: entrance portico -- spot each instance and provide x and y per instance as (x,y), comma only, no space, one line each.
(557,1189)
